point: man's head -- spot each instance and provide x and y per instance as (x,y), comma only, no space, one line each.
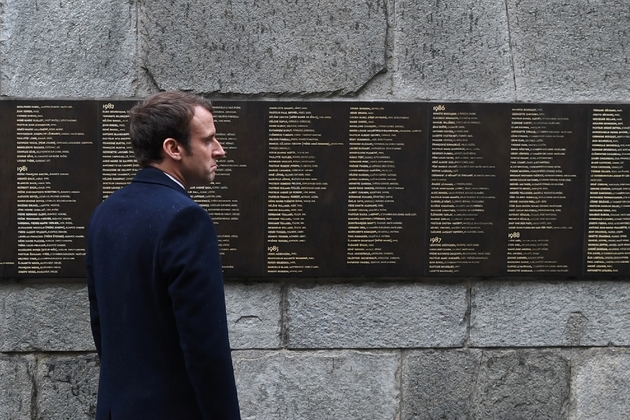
(161,116)
(175,132)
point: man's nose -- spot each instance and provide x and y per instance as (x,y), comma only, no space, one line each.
(219,152)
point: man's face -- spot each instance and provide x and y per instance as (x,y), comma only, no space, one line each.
(200,164)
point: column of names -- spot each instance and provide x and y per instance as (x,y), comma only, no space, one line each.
(608,240)
(47,234)
(537,186)
(459,192)
(292,185)
(374,219)
(119,164)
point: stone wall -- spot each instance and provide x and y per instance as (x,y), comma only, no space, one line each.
(328,348)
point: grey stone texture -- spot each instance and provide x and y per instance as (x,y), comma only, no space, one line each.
(381,85)
(476,384)
(376,315)
(532,313)
(60,48)
(317,385)
(439,384)
(570,50)
(264,46)
(523,384)
(601,385)
(16,388)
(517,50)
(452,51)
(45,318)
(68,386)
(253,313)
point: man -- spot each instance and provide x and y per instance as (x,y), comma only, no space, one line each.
(155,283)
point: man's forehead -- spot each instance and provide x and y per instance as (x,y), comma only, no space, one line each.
(201,112)
(203,122)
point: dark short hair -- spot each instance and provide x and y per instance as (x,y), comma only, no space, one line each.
(160,116)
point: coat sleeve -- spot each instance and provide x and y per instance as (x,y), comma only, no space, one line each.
(190,261)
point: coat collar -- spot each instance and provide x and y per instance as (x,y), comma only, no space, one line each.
(151,175)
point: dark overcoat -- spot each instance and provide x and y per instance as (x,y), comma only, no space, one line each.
(157,306)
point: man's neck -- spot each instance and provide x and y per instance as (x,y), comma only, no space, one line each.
(170,172)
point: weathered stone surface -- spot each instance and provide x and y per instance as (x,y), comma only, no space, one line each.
(476,384)
(253,313)
(570,50)
(60,48)
(453,51)
(380,87)
(571,313)
(317,385)
(439,384)
(264,46)
(376,315)
(67,387)
(45,318)
(16,388)
(601,385)
(522,384)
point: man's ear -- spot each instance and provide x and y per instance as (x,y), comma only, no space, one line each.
(172,148)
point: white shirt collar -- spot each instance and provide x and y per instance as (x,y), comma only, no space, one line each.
(173,178)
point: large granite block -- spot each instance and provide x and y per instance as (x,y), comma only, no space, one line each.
(264,46)
(67,387)
(67,49)
(456,51)
(570,313)
(439,384)
(601,385)
(523,384)
(317,385)
(253,313)
(45,318)
(476,384)
(16,388)
(376,315)
(570,50)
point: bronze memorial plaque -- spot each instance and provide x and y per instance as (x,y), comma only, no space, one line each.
(344,189)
